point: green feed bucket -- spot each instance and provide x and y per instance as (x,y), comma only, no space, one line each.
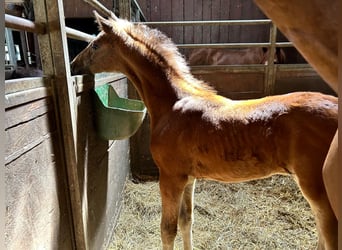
(116,118)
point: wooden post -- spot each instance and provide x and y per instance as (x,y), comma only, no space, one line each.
(270,68)
(55,61)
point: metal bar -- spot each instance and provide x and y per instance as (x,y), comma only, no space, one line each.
(251,68)
(134,2)
(223,45)
(78,35)
(211,22)
(208,69)
(232,45)
(19,23)
(284,44)
(99,7)
(294,67)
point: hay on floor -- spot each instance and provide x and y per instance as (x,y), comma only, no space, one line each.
(263,214)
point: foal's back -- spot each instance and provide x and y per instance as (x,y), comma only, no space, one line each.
(242,140)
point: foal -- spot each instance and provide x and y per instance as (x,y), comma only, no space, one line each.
(196,133)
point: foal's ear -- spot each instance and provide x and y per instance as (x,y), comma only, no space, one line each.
(103,23)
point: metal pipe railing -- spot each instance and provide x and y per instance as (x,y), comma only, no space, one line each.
(19,23)
(232,45)
(211,22)
(99,7)
(78,35)
(221,45)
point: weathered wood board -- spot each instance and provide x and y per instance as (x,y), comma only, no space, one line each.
(37,210)
(38,213)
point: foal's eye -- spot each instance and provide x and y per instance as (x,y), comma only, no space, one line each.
(94,46)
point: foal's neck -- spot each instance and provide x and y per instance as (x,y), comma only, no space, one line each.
(152,83)
(160,75)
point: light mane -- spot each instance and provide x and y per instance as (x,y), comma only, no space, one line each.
(158,48)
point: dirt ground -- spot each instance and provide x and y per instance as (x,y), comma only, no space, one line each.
(263,214)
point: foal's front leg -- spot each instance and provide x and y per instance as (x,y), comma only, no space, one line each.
(186,213)
(171,190)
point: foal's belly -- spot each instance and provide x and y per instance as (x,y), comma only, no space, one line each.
(235,170)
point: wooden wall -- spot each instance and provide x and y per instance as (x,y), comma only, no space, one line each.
(103,167)
(80,9)
(38,213)
(63,183)
(189,10)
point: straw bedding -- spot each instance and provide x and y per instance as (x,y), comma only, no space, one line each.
(263,214)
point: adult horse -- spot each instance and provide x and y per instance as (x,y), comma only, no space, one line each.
(224,56)
(312,26)
(196,133)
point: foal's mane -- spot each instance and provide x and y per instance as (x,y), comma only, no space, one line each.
(158,48)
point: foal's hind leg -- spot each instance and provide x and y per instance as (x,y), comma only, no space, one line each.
(171,190)
(326,222)
(186,214)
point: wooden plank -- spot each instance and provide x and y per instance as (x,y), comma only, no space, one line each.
(198,30)
(235,13)
(165,15)
(19,98)
(16,85)
(188,16)
(36,204)
(125,9)
(177,14)
(227,83)
(206,16)
(294,81)
(26,135)
(224,16)
(155,11)
(147,9)
(27,112)
(215,15)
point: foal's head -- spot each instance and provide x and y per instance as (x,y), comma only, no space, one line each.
(114,48)
(103,54)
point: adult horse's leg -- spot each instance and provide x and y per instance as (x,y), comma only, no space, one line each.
(314,191)
(186,214)
(171,190)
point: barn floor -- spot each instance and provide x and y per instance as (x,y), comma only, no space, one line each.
(264,214)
